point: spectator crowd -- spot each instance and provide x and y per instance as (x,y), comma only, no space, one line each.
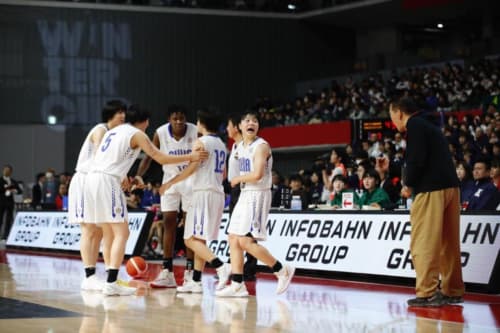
(451,87)
(369,170)
(372,169)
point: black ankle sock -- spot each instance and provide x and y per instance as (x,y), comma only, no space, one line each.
(89,271)
(189,264)
(196,276)
(237,278)
(216,263)
(277,267)
(167,264)
(112,275)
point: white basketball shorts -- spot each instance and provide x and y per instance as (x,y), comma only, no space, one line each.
(76,203)
(104,199)
(204,215)
(250,214)
(180,192)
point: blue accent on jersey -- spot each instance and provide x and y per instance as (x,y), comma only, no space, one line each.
(107,141)
(194,220)
(220,160)
(254,208)
(244,164)
(202,221)
(123,206)
(113,202)
(180,152)
(82,207)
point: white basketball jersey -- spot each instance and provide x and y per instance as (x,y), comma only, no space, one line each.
(233,166)
(88,150)
(210,173)
(246,156)
(170,146)
(115,156)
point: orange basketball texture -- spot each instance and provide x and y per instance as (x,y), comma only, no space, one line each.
(136,266)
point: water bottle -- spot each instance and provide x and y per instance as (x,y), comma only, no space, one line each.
(402,203)
(409,201)
(286,197)
(296,203)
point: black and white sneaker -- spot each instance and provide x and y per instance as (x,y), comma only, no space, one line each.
(433,301)
(453,299)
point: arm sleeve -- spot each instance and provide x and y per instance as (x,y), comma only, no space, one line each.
(416,155)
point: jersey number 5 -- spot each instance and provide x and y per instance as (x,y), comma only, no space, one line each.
(107,141)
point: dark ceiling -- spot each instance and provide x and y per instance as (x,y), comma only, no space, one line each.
(349,14)
(378,13)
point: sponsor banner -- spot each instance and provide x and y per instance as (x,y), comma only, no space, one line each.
(51,230)
(367,243)
(376,244)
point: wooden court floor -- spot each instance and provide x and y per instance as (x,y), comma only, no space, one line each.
(41,293)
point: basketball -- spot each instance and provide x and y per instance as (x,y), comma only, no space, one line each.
(136,266)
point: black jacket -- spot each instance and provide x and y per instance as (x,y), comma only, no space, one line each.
(36,195)
(8,200)
(483,195)
(428,163)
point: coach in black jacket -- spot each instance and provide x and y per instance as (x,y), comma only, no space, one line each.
(435,213)
(8,188)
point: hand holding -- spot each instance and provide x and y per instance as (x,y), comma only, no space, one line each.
(406,192)
(234,182)
(198,155)
(138,182)
(125,184)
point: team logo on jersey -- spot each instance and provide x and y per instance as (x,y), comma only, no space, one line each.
(197,228)
(118,210)
(256,225)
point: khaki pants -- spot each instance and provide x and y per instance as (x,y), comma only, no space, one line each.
(435,242)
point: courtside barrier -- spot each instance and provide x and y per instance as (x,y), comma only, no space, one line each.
(349,244)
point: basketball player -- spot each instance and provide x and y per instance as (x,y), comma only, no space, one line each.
(249,219)
(102,192)
(204,215)
(233,132)
(113,114)
(174,138)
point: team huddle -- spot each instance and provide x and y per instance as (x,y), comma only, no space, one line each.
(193,172)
